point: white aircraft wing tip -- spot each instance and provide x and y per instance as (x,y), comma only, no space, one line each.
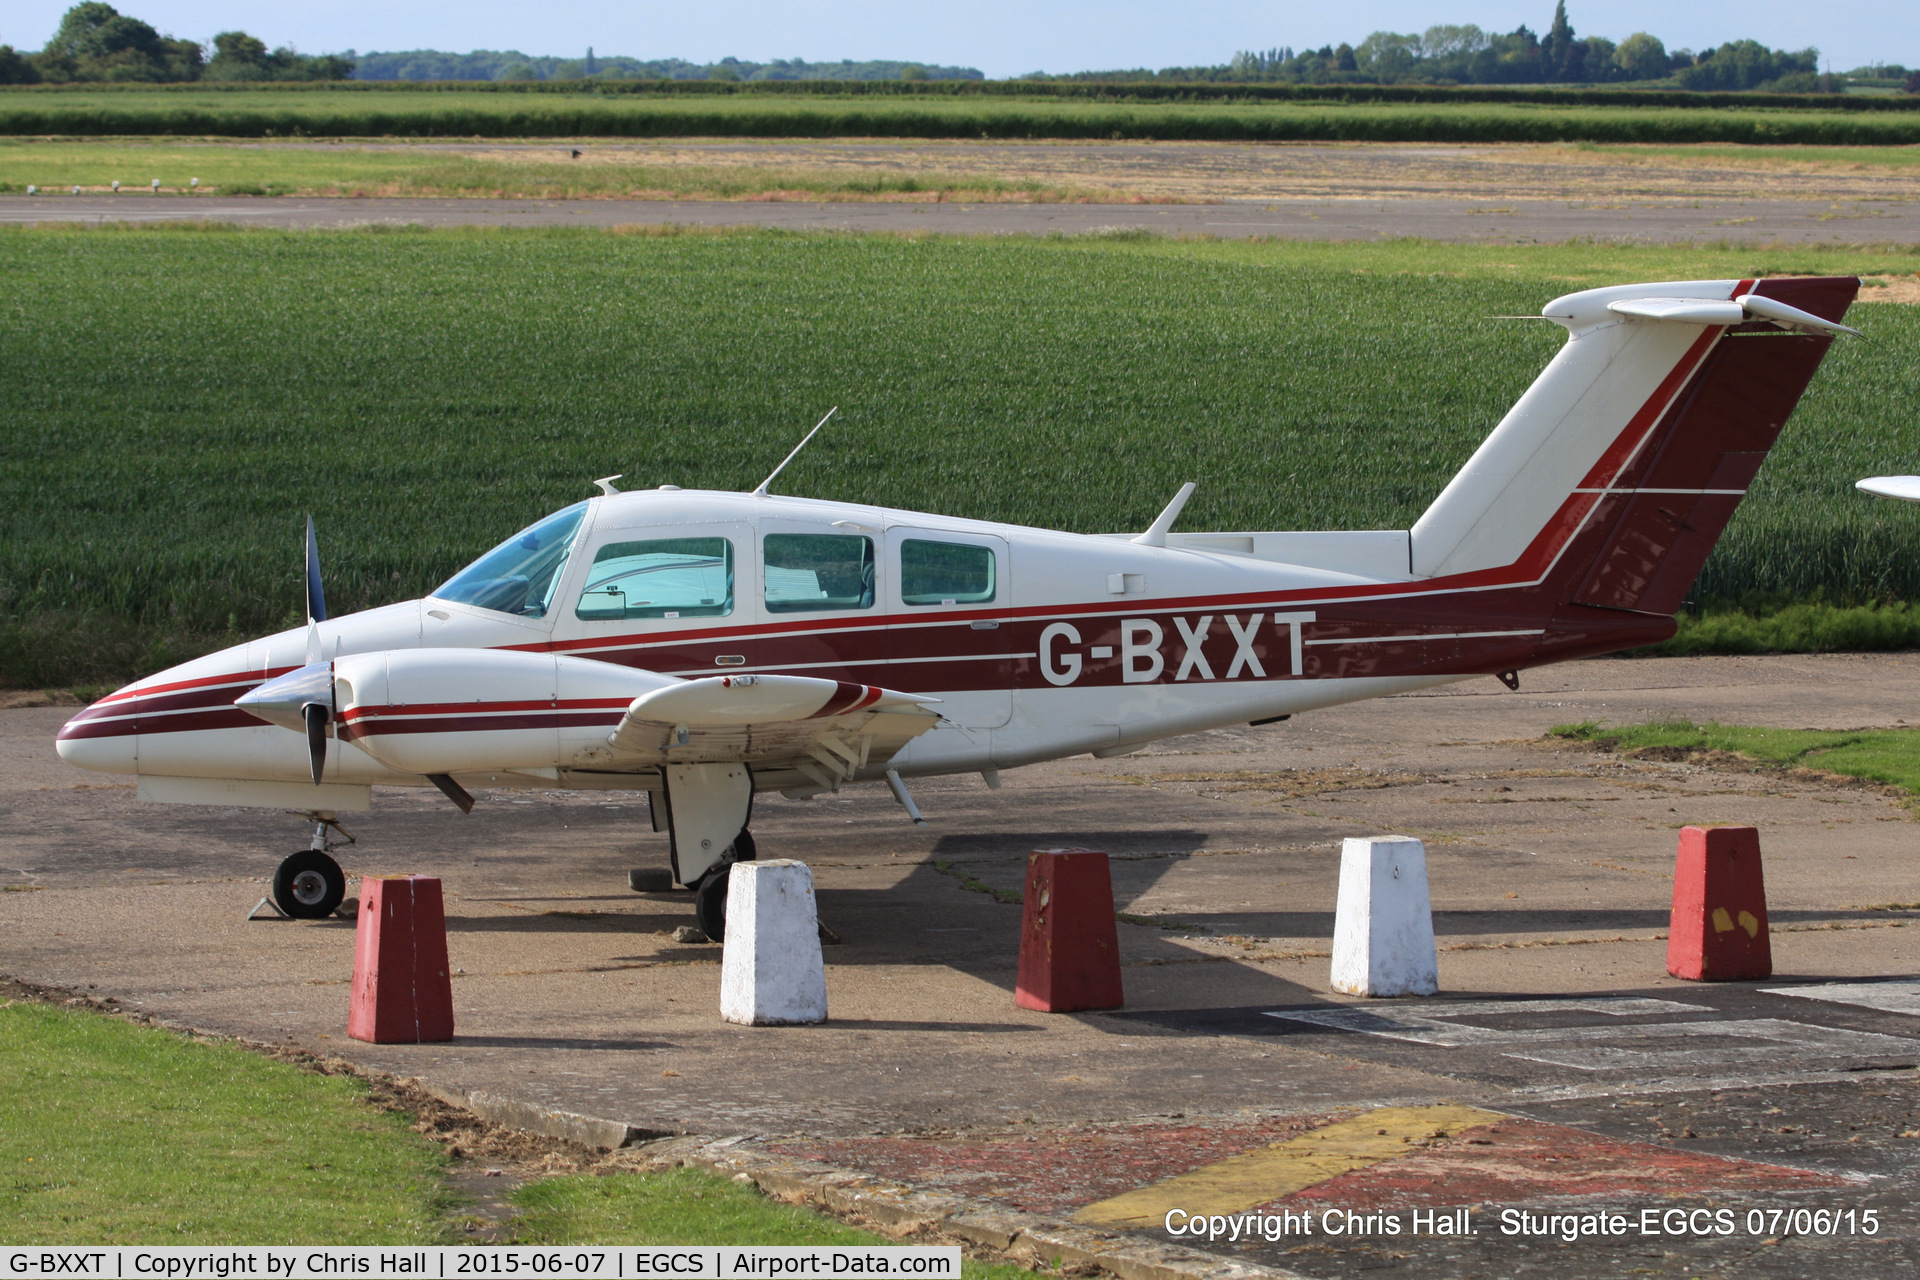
(1905,488)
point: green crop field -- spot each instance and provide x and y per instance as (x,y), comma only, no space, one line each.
(178,399)
(478,113)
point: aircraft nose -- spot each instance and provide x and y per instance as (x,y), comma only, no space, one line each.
(104,737)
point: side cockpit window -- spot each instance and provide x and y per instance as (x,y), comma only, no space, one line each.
(661,578)
(945,573)
(812,571)
(519,575)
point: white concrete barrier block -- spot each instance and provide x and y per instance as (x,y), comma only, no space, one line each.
(771,973)
(1383,922)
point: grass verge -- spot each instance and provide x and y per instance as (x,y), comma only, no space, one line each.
(118,1134)
(687,1206)
(1889,756)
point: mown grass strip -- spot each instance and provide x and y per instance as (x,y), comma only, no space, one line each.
(419,113)
(118,1134)
(179,398)
(548,173)
(1890,756)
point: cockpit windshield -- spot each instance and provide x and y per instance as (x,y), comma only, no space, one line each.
(519,575)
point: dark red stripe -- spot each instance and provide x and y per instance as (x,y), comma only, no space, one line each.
(383,727)
(477,707)
(846,697)
(219,718)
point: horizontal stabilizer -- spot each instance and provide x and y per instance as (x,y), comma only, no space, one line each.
(1748,306)
(1680,310)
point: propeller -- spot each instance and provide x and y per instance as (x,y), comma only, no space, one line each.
(316,598)
(318,716)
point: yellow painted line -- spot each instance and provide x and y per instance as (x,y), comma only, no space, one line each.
(1240,1182)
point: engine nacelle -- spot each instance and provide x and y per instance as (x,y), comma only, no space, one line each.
(447,711)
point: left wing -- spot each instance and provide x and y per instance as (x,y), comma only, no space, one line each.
(824,730)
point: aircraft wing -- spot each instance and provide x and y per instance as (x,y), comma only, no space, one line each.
(1906,488)
(826,730)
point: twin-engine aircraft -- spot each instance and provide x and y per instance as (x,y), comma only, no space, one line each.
(706,646)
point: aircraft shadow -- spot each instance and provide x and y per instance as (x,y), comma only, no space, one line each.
(901,1024)
(1133,840)
(462,1039)
(557,922)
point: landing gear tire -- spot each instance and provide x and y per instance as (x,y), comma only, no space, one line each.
(309,885)
(710,898)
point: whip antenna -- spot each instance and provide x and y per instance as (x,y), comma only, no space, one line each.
(761,492)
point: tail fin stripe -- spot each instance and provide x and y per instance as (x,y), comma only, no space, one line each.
(1643,425)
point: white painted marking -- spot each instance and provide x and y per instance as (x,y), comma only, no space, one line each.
(1422,1023)
(1695,1045)
(1888,997)
(1778,1040)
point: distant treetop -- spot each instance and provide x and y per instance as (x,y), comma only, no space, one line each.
(1465,54)
(510,64)
(96,42)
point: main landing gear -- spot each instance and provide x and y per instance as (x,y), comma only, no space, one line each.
(710,895)
(706,808)
(310,885)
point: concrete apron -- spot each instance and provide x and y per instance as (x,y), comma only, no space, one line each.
(1549,873)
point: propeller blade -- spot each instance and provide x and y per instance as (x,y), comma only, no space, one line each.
(317,716)
(316,598)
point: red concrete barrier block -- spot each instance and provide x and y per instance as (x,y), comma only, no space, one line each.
(1719,928)
(1069,944)
(402,991)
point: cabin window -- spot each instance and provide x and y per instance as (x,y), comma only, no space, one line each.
(945,572)
(812,571)
(520,574)
(661,578)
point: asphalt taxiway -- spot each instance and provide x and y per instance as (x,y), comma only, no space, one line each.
(1654,220)
(1591,1080)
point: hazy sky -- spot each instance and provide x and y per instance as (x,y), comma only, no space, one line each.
(1001,37)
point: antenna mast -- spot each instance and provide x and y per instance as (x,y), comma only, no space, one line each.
(761,492)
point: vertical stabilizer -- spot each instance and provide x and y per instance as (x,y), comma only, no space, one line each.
(1612,376)
(1619,468)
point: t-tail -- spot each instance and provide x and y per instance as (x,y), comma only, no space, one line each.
(1600,495)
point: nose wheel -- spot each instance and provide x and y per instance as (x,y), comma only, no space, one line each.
(309,885)
(710,897)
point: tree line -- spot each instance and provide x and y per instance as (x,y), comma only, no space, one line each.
(98,43)
(1464,54)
